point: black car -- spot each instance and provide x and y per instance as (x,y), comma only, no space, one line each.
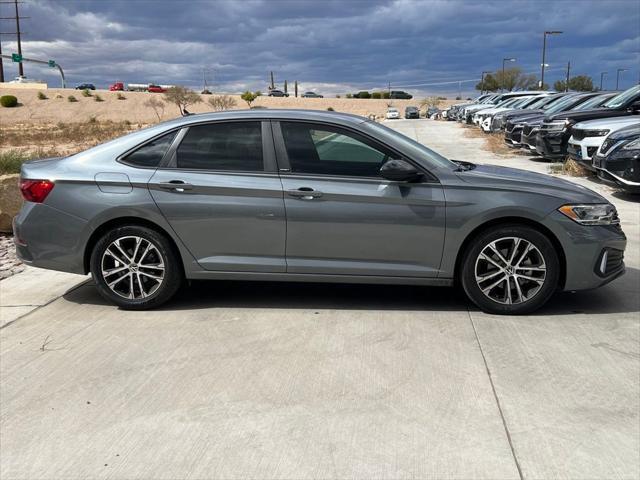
(411,112)
(86,86)
(555,131)
(516,122)
(399,94)
(618,159)
(274,92)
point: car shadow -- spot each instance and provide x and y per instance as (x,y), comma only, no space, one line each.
(616,297)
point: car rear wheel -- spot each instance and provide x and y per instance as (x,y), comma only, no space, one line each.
(510,270)
(135,267)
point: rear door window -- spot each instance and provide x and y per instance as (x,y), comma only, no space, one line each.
(233,146)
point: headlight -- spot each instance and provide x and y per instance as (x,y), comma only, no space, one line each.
(596,133)
(593,214)
(634,145)
(557,126)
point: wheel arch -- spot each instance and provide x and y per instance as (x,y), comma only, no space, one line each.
(502,221)
(126,221)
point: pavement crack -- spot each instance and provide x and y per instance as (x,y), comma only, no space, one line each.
(495,395)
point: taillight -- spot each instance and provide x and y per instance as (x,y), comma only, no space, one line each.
(35,190)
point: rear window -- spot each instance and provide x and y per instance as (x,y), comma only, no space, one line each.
(150,154)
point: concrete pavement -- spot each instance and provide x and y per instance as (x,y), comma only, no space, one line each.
(261,380)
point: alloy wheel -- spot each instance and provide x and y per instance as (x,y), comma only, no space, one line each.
(132,267)
(510,270)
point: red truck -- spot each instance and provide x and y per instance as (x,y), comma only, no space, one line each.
(117,87)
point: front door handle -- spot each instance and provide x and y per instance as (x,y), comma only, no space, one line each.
(175,185)
(304,193)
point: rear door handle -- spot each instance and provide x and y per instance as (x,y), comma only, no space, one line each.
(175,185)
(304,193)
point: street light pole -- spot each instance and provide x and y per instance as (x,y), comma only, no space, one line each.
(544,53)
(602,74)
(503,79)
(620,70)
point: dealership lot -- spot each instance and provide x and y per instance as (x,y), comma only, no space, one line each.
(264,380)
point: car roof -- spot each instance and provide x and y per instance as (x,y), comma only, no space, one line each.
(264,113)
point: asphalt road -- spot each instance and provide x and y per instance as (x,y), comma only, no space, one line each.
(262,380)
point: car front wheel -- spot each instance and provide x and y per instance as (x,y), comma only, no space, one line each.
(135,267)
(510,270)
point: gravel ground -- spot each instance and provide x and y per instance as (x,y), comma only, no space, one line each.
(9,263)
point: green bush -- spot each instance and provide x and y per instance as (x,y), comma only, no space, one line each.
(98,98)
(71,99)
(8,101)
(348,95)
(330,109)
(86,92)
(363,94)
(121,97)
(386,95)
(376,95)
(12,160)
(41,96)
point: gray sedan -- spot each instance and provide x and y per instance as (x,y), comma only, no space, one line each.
(309,196)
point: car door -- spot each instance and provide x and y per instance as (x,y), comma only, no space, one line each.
(343,217)
(222,195)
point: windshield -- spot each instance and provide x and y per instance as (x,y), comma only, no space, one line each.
(593,102)
(562,104)
(540,102)
(529,102)
(508,102)
(623,98)
(411,145)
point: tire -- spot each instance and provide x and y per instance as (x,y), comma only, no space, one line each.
(532,271)
(155,274)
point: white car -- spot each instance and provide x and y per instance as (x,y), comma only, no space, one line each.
(21,79)
(587,137)
(392,114)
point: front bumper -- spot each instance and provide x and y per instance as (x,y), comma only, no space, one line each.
(552,145)
(513,137)
(584,248)
(583,151)
(620,169)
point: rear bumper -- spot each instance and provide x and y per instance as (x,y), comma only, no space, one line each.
(48,238)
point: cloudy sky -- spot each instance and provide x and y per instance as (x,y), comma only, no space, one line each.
(332,46)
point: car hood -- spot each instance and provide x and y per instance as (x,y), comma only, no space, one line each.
(584,115)
(513,179)
(611,123)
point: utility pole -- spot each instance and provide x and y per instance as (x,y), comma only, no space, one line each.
(602,74)
(272,84)
(482,82)
(389,89)
(1,65)
(295,86)
(566,85)
(18,33)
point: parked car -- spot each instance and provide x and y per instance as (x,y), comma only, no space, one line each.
(156,89)
(531,125)
(274,92)
(586,137)
(117,87)
(311,95)
(499,99)
(515,121)
(392,113)
(553,138)
(86,86)
(324,197)
(487,116)
(399,94)
(411,112)
(499,119)
(618,159)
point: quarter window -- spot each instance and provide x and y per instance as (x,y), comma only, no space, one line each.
(326,150)
(233,146)
(150,154)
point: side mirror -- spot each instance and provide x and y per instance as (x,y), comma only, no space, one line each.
(399,171)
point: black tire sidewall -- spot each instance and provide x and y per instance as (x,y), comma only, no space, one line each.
(540,241)
(173,272)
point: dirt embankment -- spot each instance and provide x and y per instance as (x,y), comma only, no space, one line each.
(57,107)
